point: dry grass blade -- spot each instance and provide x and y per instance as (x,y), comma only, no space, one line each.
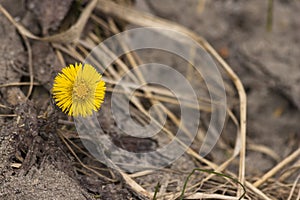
(289,172)
(68,52)
(294,187)
(199,195)
(138,72)
(78,159)
(17,84)
(6,107)
(8,115)
(143,19)
(265,150)
(60,57)
(141,173)
(135,186)
(163,99)
(205,104)
(257,191)
(70,35)
(278,167)
(216,173)
(136,102)
(224,165)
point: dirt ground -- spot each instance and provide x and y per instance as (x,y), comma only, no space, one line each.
(35,159)
(266,62)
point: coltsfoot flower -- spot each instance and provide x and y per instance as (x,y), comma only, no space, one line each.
(79,90)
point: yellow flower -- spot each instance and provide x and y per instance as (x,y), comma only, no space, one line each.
(79,90)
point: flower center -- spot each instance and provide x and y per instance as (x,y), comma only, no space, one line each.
(81,90)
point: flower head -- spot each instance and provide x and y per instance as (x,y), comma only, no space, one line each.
(78,90)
